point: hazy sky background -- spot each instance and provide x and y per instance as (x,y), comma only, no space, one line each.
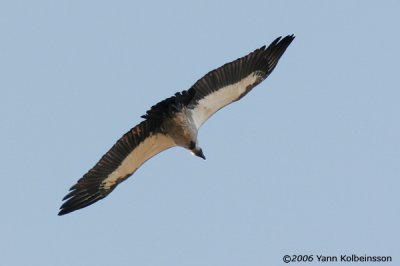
(307,163)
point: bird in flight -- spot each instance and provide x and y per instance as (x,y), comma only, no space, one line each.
(174,121)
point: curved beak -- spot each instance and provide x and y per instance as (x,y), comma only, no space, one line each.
(199,153)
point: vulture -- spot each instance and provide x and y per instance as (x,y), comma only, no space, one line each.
(174,121)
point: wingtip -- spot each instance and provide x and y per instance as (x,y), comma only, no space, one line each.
(65,210)
(288,38)
(62,211)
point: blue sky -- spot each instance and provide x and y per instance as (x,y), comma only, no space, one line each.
(307,163)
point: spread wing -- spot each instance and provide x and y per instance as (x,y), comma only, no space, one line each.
(215,90)
(233,80)
(134,148)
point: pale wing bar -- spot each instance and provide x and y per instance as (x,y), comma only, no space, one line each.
(233,80)
(121,161)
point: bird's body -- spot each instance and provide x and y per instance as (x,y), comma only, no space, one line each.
(181,128)
(174,122)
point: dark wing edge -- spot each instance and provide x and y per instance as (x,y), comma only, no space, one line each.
(89,188)
(262,60)
(234,80)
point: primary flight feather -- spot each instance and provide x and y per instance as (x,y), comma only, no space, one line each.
(174,122)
